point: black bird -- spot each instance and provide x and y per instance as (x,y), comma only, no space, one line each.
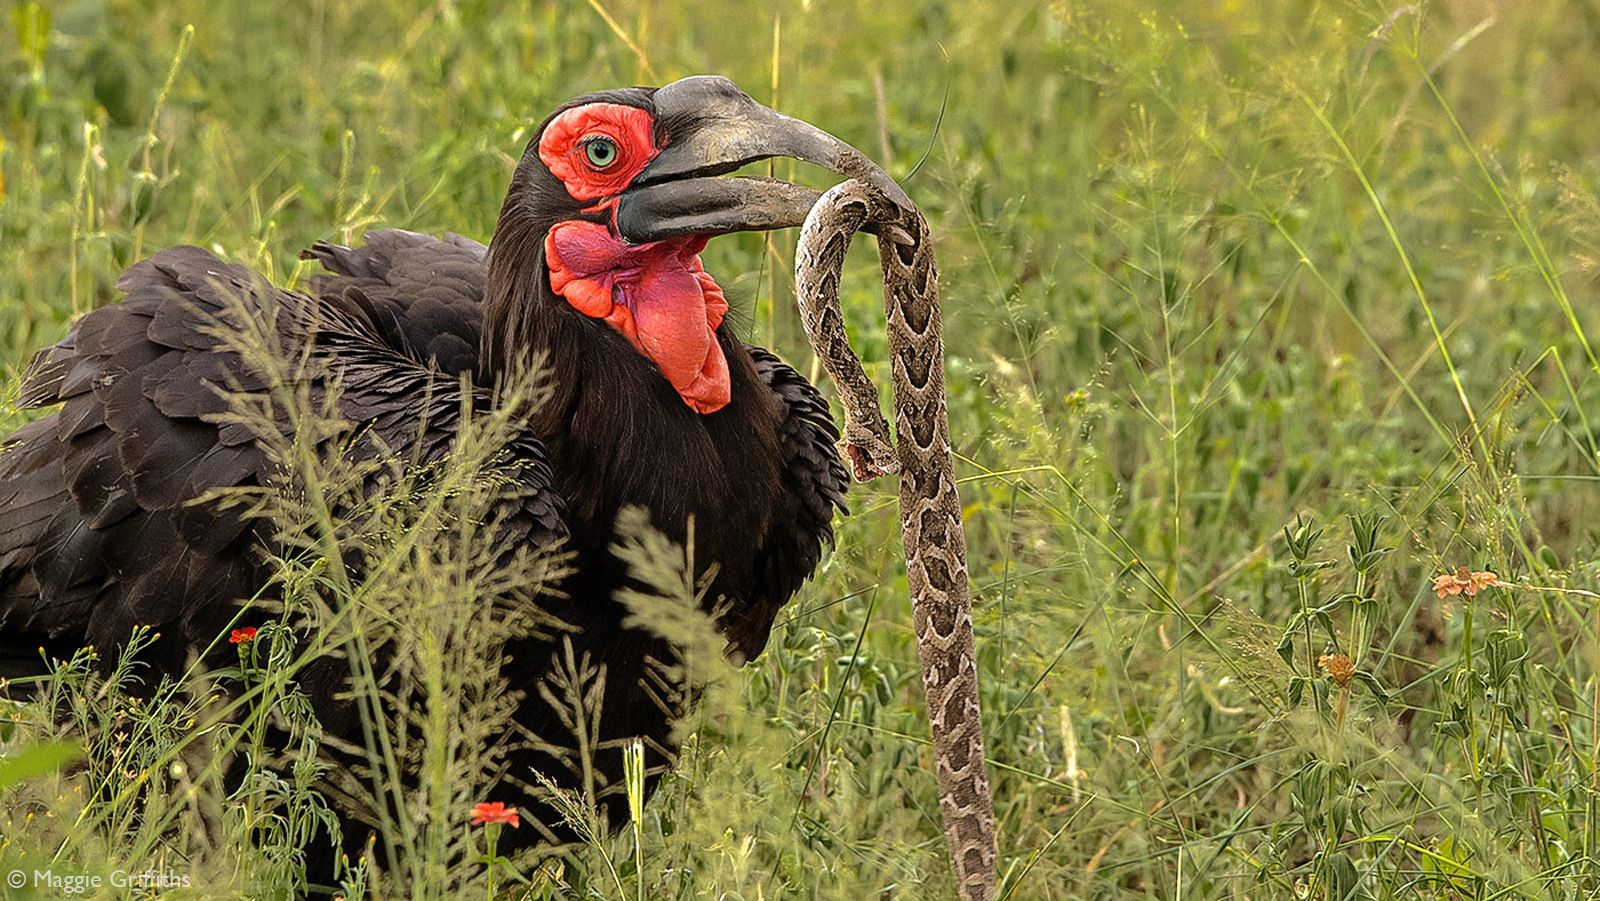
(593,270)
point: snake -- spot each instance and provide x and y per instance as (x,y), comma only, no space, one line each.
(930,509)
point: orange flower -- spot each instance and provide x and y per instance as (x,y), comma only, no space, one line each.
(243,636)
(1341,669)
(1465,581)
(485,812)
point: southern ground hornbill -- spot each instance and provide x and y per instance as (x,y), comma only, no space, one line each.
(593,273)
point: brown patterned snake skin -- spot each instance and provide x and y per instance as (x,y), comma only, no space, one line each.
(930,511)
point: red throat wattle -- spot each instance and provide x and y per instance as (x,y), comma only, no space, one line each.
(656,295)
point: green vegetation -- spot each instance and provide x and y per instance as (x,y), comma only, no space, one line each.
(1230,288)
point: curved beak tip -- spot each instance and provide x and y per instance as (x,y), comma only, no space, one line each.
(712,129)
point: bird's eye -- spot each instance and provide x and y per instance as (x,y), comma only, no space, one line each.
(600,152)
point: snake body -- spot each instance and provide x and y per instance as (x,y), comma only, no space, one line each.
(930,510)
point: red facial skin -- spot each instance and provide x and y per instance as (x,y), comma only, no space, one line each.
(656,295)
(561,148)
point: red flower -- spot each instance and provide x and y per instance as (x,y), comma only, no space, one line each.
(243,636)
(485,812)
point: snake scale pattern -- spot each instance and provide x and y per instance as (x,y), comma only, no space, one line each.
(930,510)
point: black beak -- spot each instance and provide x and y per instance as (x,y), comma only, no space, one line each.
(711,128)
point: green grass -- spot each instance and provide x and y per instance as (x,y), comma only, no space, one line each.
(1230,288)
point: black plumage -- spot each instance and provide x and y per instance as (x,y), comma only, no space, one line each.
(103,522)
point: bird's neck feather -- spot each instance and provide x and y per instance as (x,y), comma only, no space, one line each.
(617,434)
(606,415)
(515,291)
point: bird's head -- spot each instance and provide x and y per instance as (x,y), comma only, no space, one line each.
(617,194)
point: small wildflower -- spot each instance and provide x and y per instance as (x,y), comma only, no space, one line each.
(493,816)
(1465,581)
(1341,669)
(243,636)
(484,812)
(1481,580)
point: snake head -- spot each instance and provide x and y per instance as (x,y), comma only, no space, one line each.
(869,458)
(862,469)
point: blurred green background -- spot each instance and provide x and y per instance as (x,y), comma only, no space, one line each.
(1216,275)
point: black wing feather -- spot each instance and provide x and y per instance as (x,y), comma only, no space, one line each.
(426,293)
(104,524)
(814,485)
